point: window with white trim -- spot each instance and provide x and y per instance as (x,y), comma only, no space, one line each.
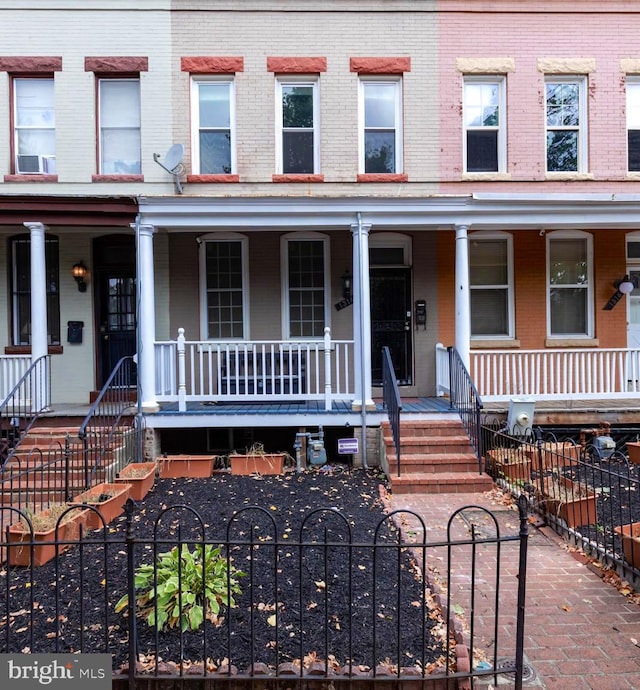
(297,122)
(633,124)
(566,124)
(380,125)
(20,247)
(224,268)
(305,286)
(491,285)
(569,285)
(119,126)
(484,124)
(213,138)
(34,126)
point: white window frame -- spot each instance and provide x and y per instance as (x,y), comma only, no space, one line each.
(280,129)
(633,113)
(284,261)
(509,286)
(588,238)
(581,128)
(196,81)
(501,128)
(203,240)
(44,161)
(363,82)
(102,128)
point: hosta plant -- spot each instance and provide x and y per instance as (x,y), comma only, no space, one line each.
(173,592)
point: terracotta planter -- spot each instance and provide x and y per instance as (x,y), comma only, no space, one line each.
(564,500)
(141,476)
(44,547)
(258,463)
(108,499)
(515,471)
(630,538)
(554,454)
(633,451)
(175,466)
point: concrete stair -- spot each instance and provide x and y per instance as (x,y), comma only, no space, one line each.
(435,457)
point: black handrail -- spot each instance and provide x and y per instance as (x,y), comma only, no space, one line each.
(464,397)
(392,401)
(20,409)
(99,427)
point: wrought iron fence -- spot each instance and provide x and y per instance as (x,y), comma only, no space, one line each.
(392,401)
(588,491)
(464,398)
(245,601)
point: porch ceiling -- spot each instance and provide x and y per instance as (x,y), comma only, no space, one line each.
(68,211)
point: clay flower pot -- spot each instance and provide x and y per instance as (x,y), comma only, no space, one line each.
(257,463)
(630,537)
(175,466)
(140,476)
(633,451)
(108,499)
(510,464)
(568,501)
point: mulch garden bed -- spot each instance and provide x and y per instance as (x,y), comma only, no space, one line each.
(315,589)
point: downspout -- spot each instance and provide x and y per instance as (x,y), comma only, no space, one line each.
(139,420)
(363,406)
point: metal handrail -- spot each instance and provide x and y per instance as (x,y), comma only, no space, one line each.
(392,400)
(103,419)
(464,397)
(20,409)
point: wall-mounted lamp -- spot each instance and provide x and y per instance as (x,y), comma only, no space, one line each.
(79,272)
(347,283)
(626,284)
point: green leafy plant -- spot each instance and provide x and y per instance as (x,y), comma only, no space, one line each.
(179,595)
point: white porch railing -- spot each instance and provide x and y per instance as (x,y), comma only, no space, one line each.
(12,369)
(256,370)
(548,374)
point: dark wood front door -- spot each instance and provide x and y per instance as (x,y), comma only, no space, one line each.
(391,322)
(116,301)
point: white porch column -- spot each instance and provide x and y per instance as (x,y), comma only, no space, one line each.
(39,329)
(462,299)
(146,318)
(361,316)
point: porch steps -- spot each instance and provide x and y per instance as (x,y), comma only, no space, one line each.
(435,457)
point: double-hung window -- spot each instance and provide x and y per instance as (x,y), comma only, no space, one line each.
(297,118)
(380,125)
(213,107)
(34,126)
(566,124)
(119,125)
(21,289)
(490,282)
(633,124)
(224,270)
(569,284)
(306,262)
(484,125)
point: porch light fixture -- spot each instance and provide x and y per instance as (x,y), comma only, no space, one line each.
(626,284)
(79,272)
(346,285)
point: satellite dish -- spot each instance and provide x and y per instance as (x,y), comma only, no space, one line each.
(173,163)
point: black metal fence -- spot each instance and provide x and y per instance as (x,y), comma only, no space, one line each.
(392,401)
(309,603)
(588,491)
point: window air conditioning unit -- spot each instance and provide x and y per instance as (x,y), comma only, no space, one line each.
(33,164)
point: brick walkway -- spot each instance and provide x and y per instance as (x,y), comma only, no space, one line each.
(580,632)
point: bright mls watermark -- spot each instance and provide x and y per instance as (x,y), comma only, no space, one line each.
(55,671)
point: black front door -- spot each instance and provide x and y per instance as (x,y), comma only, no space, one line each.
(391,321)
(116,300)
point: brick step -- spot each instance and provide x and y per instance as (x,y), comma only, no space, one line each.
(424,445)
(441,483)
(427,428)
(443,462)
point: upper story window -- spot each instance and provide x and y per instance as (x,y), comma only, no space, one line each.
(119,125)
(484,124)
(21,289)
(305,286)
(213,108)
(633,124)
(569,285)
(297,118)
(380,125)
(223,264)
(566,124)
(491,285)
(34,125)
